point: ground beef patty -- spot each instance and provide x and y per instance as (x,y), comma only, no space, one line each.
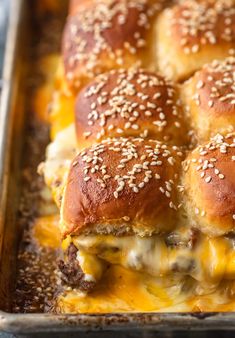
(72,273)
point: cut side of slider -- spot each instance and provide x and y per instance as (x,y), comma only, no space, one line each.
(117,171)
(124,227)
(119,193)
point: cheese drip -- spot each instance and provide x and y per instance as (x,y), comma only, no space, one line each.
(210,261)
(58,159)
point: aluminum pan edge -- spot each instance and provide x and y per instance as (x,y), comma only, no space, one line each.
(37,323)
(6,101)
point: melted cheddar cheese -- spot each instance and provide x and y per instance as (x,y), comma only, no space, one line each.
(207,262)
(48,66)
(122,290)
(53,101)
(125,290)
(62,111)
(62,105)
(46,231)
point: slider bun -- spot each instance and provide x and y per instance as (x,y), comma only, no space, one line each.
(193,33)
(122,186)
(76,5)
(106,35)
(127,103)
(210,100)
(209,186)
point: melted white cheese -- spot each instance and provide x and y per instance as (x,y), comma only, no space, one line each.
(206,263)
(59,154)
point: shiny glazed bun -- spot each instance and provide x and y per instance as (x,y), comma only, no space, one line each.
(122,186)
(127,103)
(193,33)
(210,98)
(209,186)
(105,35)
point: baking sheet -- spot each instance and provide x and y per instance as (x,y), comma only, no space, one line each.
(14,150)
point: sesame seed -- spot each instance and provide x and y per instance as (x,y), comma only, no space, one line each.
(200,84)
(148,113)
(171,205)
(210,103)
(208,179)
(167,194)
(141,185)
(135,126)
(86,134)
(115,194)
(171,160)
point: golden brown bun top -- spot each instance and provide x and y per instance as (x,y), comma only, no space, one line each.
(75,5)
(209,184)
(215,88)
(209,97)
(122,186)
(195,24)
(104,35)
(127,103)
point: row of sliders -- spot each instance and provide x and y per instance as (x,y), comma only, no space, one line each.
(142,158)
